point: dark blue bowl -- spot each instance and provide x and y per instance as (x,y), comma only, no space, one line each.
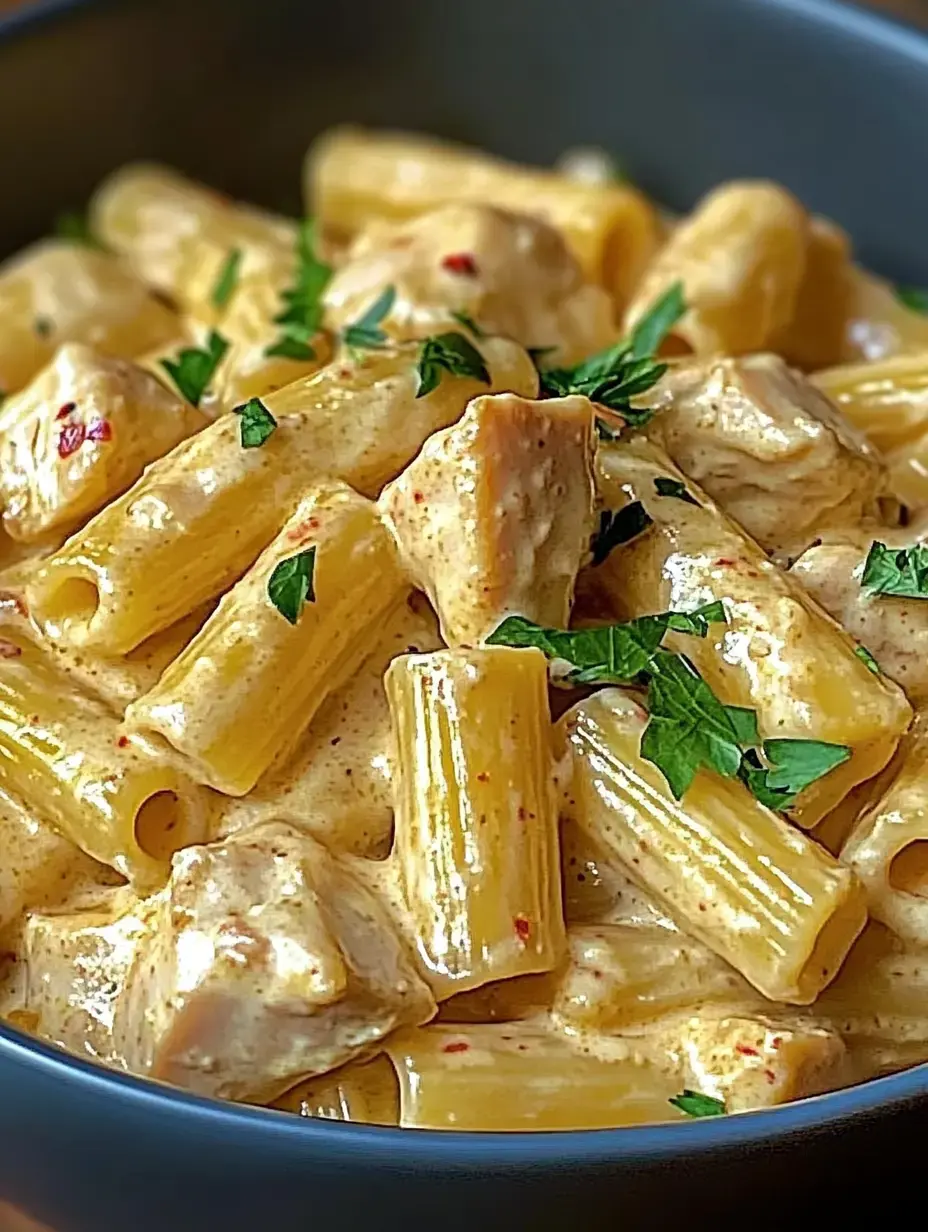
(830,100)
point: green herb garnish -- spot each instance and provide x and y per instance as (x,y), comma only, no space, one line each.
(665,486)
(448,353)
(257,423)
(366,331)
(465,319)
(915,298)
(864,654)
(302,315)
(896,571)
(75,227)
(792,765)
(624,371)
(291,584)
(43,326)
(619,527)
(695,1104)
(227,280)
(195,367)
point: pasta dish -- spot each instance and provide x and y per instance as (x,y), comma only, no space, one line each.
(461,653)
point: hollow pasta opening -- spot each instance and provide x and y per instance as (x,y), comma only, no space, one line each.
(160,825)
(908,870)
(73,600)
(834,941)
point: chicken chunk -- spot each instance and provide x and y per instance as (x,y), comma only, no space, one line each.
(270,962)
(494,516)
(771,449)
(78,436)
(894,630)
(512,273)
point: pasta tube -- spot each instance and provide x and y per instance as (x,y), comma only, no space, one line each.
(178,235)
(879,324)
(495,514)
(766,445)
(338,783)
(269,962)
(63,756)
(814,338)
(778,654)
(887,848)
(220,704)
(741,256)
(736,876)
(598,891)
(511,273)
(363,1091)
(78,435)
(55,292)
(476,820)
(352,176)
(619,977)
(520,1078)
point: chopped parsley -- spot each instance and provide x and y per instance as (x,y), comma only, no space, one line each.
(626,370)
(619,527)
(896,571)
(792,765)
(465,319)
(195,367)
(695,1104)
(665,486)
(365,333)
(864,654)
(75,227)
(257,423)
(451,353)
(291,584)
(227,280)
(915,298)
(302,314)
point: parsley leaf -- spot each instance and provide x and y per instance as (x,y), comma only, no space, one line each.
(302,314)
(257,423)
(615,654)
(465,319)
(863,653)
(896,571)
(291,584)
(665,486)
(75,227)
(619,527)
(614,376)
(695,1104)
(915,298)
(194,368)
(792,766)
(227,280)
(448,353)
(366,331)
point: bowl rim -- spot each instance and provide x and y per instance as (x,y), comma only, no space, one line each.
(431,1150)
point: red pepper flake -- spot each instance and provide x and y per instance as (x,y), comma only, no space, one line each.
(305,528)
(522,813)
(70,439)
(776,1042)
(9,650)
(460,263)
(456,1046)
(123,741)
(418,497)
(100,430)
(703,907)
(65,410)
(723,562)
(483,777)
(746,1050)
(523,928)
(770,1075)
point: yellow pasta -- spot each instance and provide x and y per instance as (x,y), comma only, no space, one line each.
(886,399)
(78,435)
(64,756)
(510,1077)
(243,691)
(779,654)
(495,514)
(736,876)
(815,335)
(476,816)
(879,324)
(352,176)
(363,1091)
(741,256)
(57,292)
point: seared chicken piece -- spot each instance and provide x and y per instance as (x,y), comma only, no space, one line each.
(511,273)
(894,630)
(769,447)
(494,516)
(78,435)
(270,962)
